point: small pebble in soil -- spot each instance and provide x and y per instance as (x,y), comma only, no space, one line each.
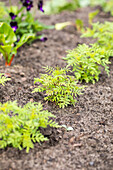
(91,163)
(22,74)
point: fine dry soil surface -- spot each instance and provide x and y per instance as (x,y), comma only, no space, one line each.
(90,145)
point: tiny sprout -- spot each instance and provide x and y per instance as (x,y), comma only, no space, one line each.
(58,86)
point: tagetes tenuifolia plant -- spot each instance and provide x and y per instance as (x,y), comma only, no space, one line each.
(58,87)
(3,79)
(102,32)
(20,126)
(86,61)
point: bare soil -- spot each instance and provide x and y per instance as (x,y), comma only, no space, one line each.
(90,145)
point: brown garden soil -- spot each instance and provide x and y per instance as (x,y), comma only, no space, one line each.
(90,145)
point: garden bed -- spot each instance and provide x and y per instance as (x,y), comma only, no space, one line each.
(90,144)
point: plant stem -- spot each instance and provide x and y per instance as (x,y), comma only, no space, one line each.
(6,64)
(9,64)
(11,59)
(20,10)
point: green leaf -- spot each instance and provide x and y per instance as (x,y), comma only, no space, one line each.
(24,39)
(7,39)
(8,33)
(86,61)
(13,9)
(3,79)
(19,126)
(92,15)
(5,50)
(58,86)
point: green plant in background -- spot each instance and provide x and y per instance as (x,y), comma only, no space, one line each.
(7,42)
(19,126)
(57,6)
(3,12)
(58,87)
(92,15)
(102,32)
(79,25)
(86,61)
(92,3)
(3,79)
(108,6)
(97,2)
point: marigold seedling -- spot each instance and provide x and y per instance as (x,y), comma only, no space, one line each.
(58,86)
(103,33)
(108,6)
(3,79)
(92,16)
(86,61)
(19,126)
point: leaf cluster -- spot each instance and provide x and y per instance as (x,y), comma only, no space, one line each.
(58,87)
(27,31)
(7,40)
(102,32)
(86,61)
(3,79)
(19,126)
(27,23)
(108,7)
(3,13)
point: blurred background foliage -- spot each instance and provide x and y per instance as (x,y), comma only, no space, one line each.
(57,6)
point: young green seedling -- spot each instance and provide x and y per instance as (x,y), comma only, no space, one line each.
(3,79)
(108,6)
(92,16)
(103,33)
(58,86)
(79,25)
(19,126)
(86,61)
